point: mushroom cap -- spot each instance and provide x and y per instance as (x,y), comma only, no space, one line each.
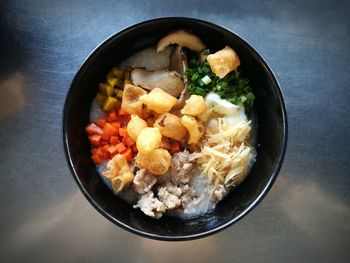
(178,61)
(169,81)
(183,39)
(185,95)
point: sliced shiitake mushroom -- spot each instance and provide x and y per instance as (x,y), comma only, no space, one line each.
(203,55)
(183,39)
(178,61)
(185,95)
(169,81)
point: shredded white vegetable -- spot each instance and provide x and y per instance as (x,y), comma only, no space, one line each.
(225,155)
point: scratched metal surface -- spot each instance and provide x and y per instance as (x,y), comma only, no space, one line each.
(44,217)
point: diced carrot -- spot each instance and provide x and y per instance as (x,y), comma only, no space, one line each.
(105,148)
(105,156)
(129,141)
(127,117)
(112,116)
(112,149)
(120,147)
(122,132)
(108,129)
(127,154)
(175,147)
(114,140)
(101,122)
(93,151)
(110,137)
(102,154)
(124,122)
(115,124)
(103,142)
(105,136)
(96,159)
(95,139)
(124,119)
(122,112)
(124,140)
(99,151)
(92,128)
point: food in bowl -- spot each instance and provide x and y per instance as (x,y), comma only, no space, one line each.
(169,127)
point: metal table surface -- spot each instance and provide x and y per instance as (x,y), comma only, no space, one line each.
(44,216)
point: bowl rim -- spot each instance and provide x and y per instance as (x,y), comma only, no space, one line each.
(256,201)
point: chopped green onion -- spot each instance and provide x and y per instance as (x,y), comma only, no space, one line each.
(233,87)
(206,79)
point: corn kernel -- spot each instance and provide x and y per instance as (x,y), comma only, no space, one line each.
(112,81)
(106,89)
(119,83)
(117,72)
(110,104)
(119,93)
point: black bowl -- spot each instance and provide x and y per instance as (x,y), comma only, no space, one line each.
(271,131)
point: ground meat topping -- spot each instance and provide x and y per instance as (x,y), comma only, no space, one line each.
(150,205)
(218,193)
(143,181)
(188,195)
(169,195)
(181,167)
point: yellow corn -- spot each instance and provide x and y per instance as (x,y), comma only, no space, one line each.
(110,104)
(117,72)
(112,81)
(106,89)
(119,93)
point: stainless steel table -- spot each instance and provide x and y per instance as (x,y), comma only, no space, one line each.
(304,218)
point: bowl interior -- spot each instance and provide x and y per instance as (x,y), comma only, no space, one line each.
(271,130)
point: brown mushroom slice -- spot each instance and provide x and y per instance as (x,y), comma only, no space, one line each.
(178,61)
(183,39)
(203,55)
(169,81)
(149,59)
(185,95)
